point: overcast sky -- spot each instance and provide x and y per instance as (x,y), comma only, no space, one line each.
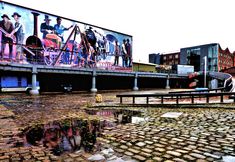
(157,26)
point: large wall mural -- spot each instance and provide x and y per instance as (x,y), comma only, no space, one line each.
(30,36)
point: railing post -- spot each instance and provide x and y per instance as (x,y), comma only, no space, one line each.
(192,99)
(207,99)
(135,88)
(120,100)
(161,99)
(147,100)
(34,90)
(93,84)
(177,99)
(168,82)
(221,98)
(133,101)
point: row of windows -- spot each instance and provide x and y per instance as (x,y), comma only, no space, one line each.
(170,57)
(171,62)
(228,62)
(226,55)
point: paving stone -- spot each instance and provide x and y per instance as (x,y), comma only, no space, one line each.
(123,147)
(128,153)
(149,142)
(188,157)
(157,159)
(159,145)
(179,160)
(145,154)
(212,155)
(133,150)
(201,160)
(199,156)
(140,144)
(146,150)
(160,149)
(174,153)
(181,151)
(213,148)
(119,150)
(138,157)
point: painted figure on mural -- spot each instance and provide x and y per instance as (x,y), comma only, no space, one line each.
(6,27)
(19,32)
(128,53)
(45,27)
(124,53)
(59,28)
(116,53)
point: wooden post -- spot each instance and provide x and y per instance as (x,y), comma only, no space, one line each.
(120,100)
(133,100)
(192,99)
(147,100)
(177,99)
(161,99)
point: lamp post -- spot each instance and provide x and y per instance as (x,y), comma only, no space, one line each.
(205,65)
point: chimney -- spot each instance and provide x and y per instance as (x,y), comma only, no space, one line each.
(35,23)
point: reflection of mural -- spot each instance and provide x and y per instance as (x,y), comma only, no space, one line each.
(46,38)
(68,135)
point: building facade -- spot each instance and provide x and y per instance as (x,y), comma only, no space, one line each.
(170,58)
(155,58)
(217,58)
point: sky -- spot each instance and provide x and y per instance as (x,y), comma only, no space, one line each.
(157,26)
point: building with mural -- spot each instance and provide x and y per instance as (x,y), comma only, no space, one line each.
(32,36)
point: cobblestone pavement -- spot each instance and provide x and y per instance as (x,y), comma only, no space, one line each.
(199,134)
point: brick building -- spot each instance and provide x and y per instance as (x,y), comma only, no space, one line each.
(225,59)
(170,58)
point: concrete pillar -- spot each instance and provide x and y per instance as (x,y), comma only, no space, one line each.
(168,82)
(135,88)
(93,84)
(34,90)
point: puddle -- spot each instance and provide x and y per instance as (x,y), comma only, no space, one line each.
(63,136)
(228,158)
(119,115)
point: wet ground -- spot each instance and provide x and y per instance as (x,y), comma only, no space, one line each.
(198,134)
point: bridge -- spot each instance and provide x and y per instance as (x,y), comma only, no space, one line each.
(49,76)
(92,74)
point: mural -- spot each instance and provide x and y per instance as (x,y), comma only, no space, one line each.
(29,36)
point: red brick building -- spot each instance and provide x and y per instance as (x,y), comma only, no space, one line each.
(225,59)
(170,58)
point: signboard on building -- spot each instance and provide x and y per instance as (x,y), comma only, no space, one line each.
(32,36)
(184,69)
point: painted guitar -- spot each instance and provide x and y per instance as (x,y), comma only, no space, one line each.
(6,33)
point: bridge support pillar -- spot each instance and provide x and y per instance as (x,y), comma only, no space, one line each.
(168,82)
(34,90)
(93,84)
(135,88)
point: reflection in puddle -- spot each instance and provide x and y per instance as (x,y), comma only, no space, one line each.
(120,115)
(68,135)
